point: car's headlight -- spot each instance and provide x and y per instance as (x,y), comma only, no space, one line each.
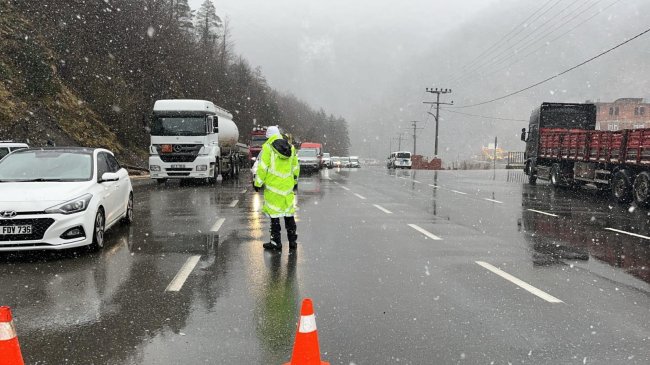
(73,206)
(154,168)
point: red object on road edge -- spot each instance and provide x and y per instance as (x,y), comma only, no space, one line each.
(305,349)
(9,347)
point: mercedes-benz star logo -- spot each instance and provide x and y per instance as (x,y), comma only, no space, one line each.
(7,214)
(177,148)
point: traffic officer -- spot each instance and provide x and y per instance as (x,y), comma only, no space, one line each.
(277,172)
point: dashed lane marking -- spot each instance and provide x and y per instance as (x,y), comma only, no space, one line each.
(433,186)
(217,225)
(493,201)
(520,283)
(360,196)
(244,191)
(346,188)
(458,192)
(545,213)
(234,203)
(417,182)
(628,233)
(425,232)
(382,209)
(177,283)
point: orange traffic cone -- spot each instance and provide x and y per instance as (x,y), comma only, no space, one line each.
(305,349)
(9,347)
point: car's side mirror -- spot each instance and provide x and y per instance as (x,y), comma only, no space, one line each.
(109,176)
(523,134)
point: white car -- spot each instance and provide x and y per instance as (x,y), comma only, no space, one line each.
(57,198)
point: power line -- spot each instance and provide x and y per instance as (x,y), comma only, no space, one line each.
(503,38)
(504,52)
(483,116)
(598,12)
(556,75)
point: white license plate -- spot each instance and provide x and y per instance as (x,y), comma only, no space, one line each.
(26,229)
(178,166)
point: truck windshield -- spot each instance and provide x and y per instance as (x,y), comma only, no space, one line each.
(403,155)
(178,126)
(258,141)
(307,153)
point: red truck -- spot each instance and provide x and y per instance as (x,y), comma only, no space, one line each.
(258,137)
(562,146)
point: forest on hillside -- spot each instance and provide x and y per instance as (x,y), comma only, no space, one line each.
(120,56)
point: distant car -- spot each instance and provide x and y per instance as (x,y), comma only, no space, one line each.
(309,160)
(327,160)
(399,160)
(6,147)
(354,162)
(336,162)
(345,161)
(57,198)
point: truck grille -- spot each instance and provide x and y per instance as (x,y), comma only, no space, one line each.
(39,226)
(180,153)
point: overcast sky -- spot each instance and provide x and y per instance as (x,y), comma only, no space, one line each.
(369,61)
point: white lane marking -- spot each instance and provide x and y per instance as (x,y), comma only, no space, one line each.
(458,192)
(433,186)
(244,191)
(360,196)
(540,212)
(336,183)
(520,283)
(382,209)
(217,225)
(346,188)
(628,233)
(493,201)
(234,203)
(417,182)
(425,232)
(182,275)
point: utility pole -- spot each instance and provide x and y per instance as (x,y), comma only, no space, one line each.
(495,154)
(415,124)
(399,139)
(437,115)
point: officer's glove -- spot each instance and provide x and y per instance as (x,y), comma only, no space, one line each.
(257,188)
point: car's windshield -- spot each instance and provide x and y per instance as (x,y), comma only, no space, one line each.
(46,166)
(178,126)
(307,153)
(403,155)
(326,155)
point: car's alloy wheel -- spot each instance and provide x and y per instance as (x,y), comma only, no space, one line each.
(98,231)
(128,217)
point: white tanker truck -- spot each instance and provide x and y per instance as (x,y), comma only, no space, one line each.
(193,139)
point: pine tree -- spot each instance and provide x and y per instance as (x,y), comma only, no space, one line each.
(182,14)
(208,23)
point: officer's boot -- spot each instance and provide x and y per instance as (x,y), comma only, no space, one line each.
(276,239)
(290,224)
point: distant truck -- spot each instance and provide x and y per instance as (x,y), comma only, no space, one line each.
(258,137)
(562,146)
(193,139)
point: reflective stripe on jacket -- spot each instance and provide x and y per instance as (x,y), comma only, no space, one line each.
(278,174)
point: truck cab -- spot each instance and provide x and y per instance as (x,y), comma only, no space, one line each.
(185,140)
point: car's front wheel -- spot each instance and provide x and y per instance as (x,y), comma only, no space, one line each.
(99,227)
(128,216)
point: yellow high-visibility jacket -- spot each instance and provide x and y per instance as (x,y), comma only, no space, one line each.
(278,171)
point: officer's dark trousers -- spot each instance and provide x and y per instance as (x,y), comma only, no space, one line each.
(289,224)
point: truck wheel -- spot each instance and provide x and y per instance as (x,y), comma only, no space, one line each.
(622,187)
(642,189)
(556,178)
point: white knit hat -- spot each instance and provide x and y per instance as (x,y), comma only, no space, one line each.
(272,130)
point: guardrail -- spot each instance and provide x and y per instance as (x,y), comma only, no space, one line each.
(515,160)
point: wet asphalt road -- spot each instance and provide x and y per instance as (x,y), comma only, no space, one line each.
(413,267)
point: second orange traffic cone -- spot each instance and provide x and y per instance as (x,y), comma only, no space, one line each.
(305,349)
(9,347)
